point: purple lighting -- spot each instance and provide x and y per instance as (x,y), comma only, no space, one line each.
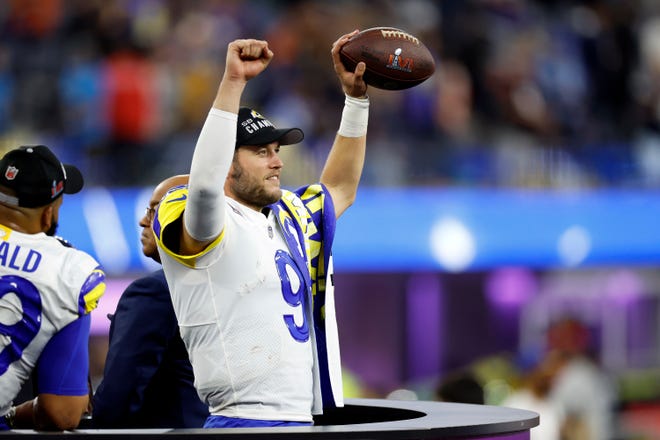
(424,325)
(624,287)
(511,287)
(107,304)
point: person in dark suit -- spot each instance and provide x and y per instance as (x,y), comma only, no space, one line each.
(147,380)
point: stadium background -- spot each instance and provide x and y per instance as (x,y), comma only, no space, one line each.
(516,186)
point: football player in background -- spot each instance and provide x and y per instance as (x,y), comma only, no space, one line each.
(249,264)
(47,291)
(148,379)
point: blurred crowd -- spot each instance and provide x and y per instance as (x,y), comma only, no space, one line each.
(531,93)
(574,396)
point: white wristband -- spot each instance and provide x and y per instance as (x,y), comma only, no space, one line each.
(354,117)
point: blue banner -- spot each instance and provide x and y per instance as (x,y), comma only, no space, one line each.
(422,229)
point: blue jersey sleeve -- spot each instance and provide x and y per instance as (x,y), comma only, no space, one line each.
(63,367)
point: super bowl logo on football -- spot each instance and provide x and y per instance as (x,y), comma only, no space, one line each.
(395,60)
(399,63)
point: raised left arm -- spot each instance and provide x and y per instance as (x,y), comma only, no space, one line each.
(343,167)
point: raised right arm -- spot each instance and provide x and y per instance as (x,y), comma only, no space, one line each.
(203,218)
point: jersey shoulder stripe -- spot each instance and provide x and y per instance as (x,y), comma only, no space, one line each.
(170,210)
(313,197)
(91,291)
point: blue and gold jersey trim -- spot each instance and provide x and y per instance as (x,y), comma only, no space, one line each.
(91,291)
(169,211)
(5,232)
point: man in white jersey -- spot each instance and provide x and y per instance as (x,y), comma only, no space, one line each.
(249,264)
(147,378)
(47,290)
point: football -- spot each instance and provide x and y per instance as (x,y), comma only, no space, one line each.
(395,59)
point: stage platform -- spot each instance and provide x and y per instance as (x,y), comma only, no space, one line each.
(359,419)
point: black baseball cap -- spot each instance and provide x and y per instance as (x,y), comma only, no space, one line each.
(36,176)
(254,129)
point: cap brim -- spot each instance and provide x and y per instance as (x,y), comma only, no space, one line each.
(285,136)
(290,136)
(74,180)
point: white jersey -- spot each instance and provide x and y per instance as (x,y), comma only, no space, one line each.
(243,315)
(44,286)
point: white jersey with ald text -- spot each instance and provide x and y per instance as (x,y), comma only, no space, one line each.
(44,286)
(242,314)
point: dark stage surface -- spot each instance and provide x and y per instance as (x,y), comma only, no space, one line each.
(359,419)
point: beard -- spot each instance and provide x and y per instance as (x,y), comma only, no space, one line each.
(251,190)
(53,229)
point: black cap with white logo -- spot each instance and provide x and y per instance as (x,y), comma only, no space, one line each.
(36,176)
(254,129)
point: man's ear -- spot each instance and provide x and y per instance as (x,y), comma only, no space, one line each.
(47,217)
